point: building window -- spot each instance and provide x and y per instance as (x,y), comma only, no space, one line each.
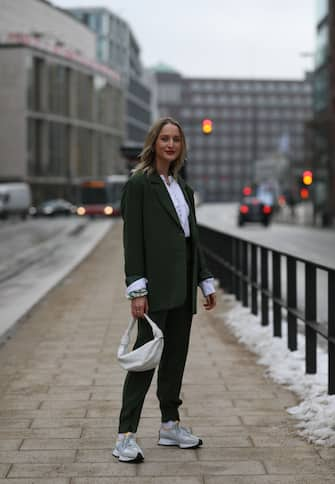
(84,90)
(169,93)
(58,150)
(58,88)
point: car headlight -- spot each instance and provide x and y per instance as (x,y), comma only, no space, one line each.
(108,210)
(81,211)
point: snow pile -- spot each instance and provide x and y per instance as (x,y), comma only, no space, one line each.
(316,411)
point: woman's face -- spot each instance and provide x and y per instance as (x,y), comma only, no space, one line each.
(168,144)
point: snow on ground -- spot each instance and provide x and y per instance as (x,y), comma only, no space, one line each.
(316,412)
(32,275)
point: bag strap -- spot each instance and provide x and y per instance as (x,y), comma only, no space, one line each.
(125,340)
(155,329)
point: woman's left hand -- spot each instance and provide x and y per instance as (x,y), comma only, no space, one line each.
(210,301)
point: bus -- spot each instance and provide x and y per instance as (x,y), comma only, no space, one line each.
(100,196)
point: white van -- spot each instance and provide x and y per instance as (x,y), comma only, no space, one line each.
(15,199)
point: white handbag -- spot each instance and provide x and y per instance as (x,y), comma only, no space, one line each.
(147,356)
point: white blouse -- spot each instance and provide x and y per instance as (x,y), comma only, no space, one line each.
(183,211)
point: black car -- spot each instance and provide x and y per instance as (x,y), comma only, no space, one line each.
(52,208)
(252,209)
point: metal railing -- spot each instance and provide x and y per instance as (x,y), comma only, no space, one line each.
(246,269)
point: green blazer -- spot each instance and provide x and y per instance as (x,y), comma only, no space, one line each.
(154,241)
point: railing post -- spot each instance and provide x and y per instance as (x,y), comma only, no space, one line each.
(310,315)
(244,270)
(264,286)
(291,275)
(238,269)
(276,289)
(331,332)
(254,278)
(229,258)
(234,267)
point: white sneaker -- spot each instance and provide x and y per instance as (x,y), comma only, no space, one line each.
(127,450)
(179,436)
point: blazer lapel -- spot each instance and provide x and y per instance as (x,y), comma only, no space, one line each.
(163,196)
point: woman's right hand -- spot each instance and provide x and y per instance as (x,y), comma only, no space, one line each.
(139,306)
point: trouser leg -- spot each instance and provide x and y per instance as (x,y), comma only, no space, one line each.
(176,343)
(171,368)
(137,384)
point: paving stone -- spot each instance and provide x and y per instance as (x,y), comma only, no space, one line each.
(74,422)
(255,453)
(200,468)
(225,440)
(73,412)
(267,440)
(4,468)
(310,465)
(83,443)
(327,453)
(40,456)
(35,481)
(139,480)
(8,424)
(64,433)
(172,454)
(287,479)
(260,404)
(264,419)
(71,470)
(10,444)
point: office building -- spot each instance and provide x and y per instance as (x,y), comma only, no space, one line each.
(251,120)
(62,113)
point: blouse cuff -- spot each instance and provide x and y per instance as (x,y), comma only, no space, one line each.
(137,285)
(207,286)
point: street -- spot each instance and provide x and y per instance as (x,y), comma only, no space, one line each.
(35,255)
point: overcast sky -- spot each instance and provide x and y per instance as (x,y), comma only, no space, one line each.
(220,38)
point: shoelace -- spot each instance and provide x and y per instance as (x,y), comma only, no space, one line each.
(184,431)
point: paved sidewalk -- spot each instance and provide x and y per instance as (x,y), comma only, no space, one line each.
(60,389)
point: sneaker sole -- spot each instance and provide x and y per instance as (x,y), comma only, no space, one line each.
(174,443)
(129,460)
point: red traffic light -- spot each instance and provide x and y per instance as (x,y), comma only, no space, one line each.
(207,126)
(247,191)
(304,193)
(307,177)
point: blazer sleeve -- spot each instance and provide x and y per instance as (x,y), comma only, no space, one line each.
(133,243)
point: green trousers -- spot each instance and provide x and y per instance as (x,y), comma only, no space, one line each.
(176,326)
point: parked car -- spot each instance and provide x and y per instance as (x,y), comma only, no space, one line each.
(252,209)
(52,208)
(15,199)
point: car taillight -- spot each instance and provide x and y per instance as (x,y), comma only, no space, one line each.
(244,209)
(267,209)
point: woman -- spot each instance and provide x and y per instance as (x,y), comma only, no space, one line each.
(163,266)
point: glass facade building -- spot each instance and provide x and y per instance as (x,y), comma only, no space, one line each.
(118,49)
(69,119)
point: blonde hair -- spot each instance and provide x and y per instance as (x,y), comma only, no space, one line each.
(147,155)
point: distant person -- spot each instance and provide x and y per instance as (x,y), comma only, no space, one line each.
(163,267)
